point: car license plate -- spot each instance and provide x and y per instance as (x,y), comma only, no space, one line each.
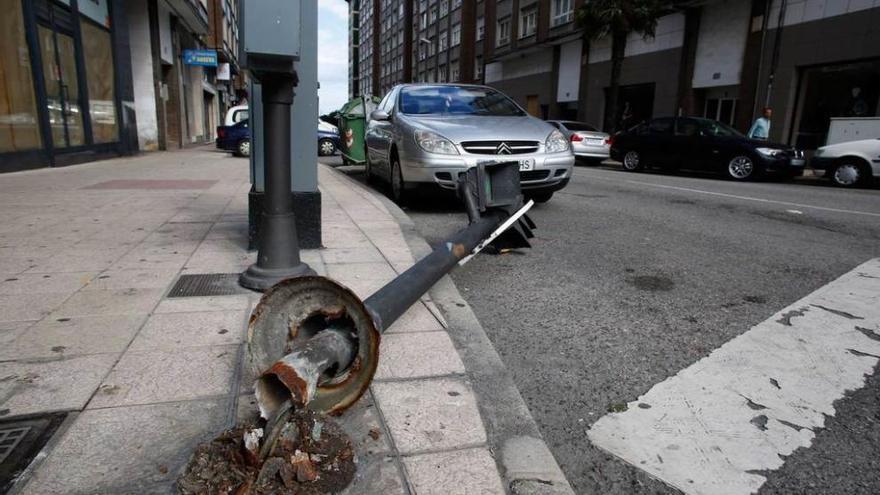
(594,142)
(526,164)
(797,162)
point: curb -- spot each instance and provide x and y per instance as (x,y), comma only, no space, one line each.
(525,463)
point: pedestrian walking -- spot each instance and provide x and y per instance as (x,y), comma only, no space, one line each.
(761,128)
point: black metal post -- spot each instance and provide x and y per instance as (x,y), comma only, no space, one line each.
(391,301)
(278,256)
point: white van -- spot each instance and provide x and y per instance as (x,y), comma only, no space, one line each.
(236,114)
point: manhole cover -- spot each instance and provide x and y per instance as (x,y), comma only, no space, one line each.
(20,441)
(208,284)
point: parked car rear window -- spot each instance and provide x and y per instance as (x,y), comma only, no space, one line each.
(456,100)
(239,115)
(579,126)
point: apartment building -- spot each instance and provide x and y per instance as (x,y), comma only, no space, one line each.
(810,60)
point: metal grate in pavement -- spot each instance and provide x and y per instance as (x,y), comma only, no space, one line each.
(207,284)
(21,439)
(10,438)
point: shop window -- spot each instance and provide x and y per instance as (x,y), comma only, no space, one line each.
(98,55)
(720,109)
(19,129)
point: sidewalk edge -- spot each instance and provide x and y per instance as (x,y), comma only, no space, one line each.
(524,460)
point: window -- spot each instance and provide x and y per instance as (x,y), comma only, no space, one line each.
(454,75)
(561,12)
(443,41)
(444,7)
(528,21)
(442,76)
(720,109)
(98,56)
(478,67)
(18,112)
(503,32)
(456,4)
(481,28)
(456,35)
(458,100)
(433,15)
(661,126)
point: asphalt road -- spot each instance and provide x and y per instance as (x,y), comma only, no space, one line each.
(634,277)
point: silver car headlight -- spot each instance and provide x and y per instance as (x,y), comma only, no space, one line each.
(556,142)
(435,143)
(771,152)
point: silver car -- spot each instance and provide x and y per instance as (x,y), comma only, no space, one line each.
(587,142)
(430,133)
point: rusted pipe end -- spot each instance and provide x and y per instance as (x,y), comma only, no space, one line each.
(296,359)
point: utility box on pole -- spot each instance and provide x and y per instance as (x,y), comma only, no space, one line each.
(275,38)
(272,49)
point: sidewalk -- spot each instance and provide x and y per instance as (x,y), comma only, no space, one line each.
(88,255)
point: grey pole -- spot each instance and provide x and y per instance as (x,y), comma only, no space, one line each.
(278,256)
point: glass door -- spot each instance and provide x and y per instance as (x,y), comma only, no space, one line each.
(62,86)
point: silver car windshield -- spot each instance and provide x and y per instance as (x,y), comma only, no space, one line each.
(456,100)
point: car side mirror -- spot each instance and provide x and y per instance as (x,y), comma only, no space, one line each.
(380,115)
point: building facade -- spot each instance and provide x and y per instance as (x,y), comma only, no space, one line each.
(65,82)
(810,60)
(82,80)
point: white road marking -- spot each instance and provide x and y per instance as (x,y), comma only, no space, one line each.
(714,427)
(745,198)
(795,212)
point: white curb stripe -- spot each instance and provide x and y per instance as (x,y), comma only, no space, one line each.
(716,425)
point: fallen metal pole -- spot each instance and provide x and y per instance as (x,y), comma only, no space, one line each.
(314,341)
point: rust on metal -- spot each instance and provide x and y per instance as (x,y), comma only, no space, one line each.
(298,387)
(458,250)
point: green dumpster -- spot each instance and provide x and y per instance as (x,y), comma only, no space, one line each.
(352,126)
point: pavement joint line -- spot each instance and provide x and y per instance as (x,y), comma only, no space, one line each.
(738,413)
(424,377)
(744,198)
(466,446)
(156,403)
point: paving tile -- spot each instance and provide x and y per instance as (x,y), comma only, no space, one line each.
(417,318)
(451,473)
(59,337)
(78,260)
(361,271)
(18,307)
(35,283)
(147,261)
(144,377)
(240,302)
(110,302)
(36,386)
(417,355)
(376,474)
(347,255)
(10,330)
(126,449)
(361,423)
(430,414)
(176,330)
(132,279)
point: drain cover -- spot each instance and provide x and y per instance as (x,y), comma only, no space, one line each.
(20,441)
(208,284)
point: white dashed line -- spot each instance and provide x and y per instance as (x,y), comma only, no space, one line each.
(718,425)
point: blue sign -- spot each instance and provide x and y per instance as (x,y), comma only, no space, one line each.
(206,58)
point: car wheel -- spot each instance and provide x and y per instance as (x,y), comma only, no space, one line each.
(632,161)
(243,148)
(541,197)
(847,174)
(326,147)
(398,185)
(741,167)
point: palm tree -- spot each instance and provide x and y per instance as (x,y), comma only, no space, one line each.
(618,18)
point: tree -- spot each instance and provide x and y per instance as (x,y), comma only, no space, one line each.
(617,19)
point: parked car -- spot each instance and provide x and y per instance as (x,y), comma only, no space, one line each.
(235,138)
(431,133)
(849,164)
(328,142)
(702,144)
(587,142)
(235,115)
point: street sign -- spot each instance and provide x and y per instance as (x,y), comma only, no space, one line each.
(206,58)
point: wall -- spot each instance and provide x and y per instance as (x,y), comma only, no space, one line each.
(668,35)
(724,27)
(142,74)
(800,11)
(569,71)
(661,68)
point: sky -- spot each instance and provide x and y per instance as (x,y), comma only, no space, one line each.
(332,54)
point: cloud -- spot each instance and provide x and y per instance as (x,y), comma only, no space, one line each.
(332,54)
